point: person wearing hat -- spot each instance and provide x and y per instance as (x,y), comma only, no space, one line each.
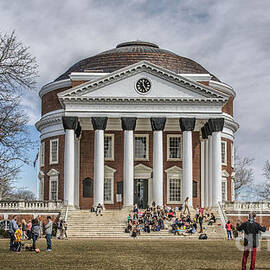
(251,240)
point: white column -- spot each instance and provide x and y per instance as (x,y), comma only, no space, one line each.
(77,173)
(187,166)
(69,173)
(99,167)
(210,187)
(202,186)
(216,168)
(206,203)
(128,168)
(158,167)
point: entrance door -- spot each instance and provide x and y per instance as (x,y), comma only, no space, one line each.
(141,192)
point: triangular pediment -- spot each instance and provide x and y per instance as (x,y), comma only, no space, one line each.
(121,85)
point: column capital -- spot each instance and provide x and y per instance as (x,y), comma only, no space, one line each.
(207,129)
(187,124)
(216,124)
(99,123)
(128,123)
(204,133)
(70,122)
(158,123)
(78,130)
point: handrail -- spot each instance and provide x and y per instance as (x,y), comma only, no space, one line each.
(222,216)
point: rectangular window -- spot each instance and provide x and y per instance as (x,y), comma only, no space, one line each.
(174,190)
(109,146)
(195,189)
(41,189)
(42,154)
(233,190)
(54,151)
(224,153)
(54,189)
(141,147)
(108,191)
(174,147)
(224,189)
(232,155)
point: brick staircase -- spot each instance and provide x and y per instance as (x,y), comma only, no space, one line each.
(84,224)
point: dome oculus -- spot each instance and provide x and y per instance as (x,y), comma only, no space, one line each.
(143,86)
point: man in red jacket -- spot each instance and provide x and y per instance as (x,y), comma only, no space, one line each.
(251,240)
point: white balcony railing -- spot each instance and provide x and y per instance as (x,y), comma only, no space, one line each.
(31,205)
(246,206)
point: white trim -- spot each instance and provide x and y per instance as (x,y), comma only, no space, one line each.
(54,86)
(57,152)
(53,178)
(232,189)
(142,172)
(174,173)
(225,161)
(232,154)
(225,180)
(53,172)
(147,147)
(112,150)
(109,174)
(42,154)
(197,77)
(78,92)
(41,185)
(86,76)
(223,87)
(225,173)
(168,147)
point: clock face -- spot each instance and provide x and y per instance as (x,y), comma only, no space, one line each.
(143,86)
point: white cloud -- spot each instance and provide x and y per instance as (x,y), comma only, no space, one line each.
(229,38)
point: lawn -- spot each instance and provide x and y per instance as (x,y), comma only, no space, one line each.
(131,254)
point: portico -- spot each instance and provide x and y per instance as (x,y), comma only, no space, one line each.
(139,134)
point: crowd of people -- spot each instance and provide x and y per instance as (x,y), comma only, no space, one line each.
(177,221)
(33,230)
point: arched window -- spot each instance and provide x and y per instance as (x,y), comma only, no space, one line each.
(87,188)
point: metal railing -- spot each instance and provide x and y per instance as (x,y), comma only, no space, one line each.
(223,217)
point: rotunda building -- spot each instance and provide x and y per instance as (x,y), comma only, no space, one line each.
(137,124)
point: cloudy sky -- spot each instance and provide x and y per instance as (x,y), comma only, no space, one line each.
(231,39)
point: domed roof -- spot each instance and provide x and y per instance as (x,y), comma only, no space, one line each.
(129,53)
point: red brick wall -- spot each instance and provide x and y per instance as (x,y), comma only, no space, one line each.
(263,220)
(228,107)
(59,167)
(87,162)
(50,102)
(228,168)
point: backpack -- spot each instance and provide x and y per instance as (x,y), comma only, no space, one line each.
(203,236)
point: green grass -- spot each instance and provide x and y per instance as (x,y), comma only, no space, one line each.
(132,254)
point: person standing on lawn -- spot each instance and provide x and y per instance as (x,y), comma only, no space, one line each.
(228,227)
(12,229)
(18,239)
(251,240)
(35,232)
(48,232)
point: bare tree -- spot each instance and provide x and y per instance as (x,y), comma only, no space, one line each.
(18,72)
(22,194)
(244,174)
(264,189)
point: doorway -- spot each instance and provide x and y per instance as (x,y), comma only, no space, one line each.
(141,192)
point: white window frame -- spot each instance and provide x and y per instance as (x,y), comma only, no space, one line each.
(54,175)
(232,155)
(112,157)
(57,153)
(147,146)
(42,154)
(41,185)
(109,173)
(225,161)
(168,146)
(174,173)
(225,180)
(232,189)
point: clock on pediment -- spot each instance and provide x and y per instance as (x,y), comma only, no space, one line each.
(143,86)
